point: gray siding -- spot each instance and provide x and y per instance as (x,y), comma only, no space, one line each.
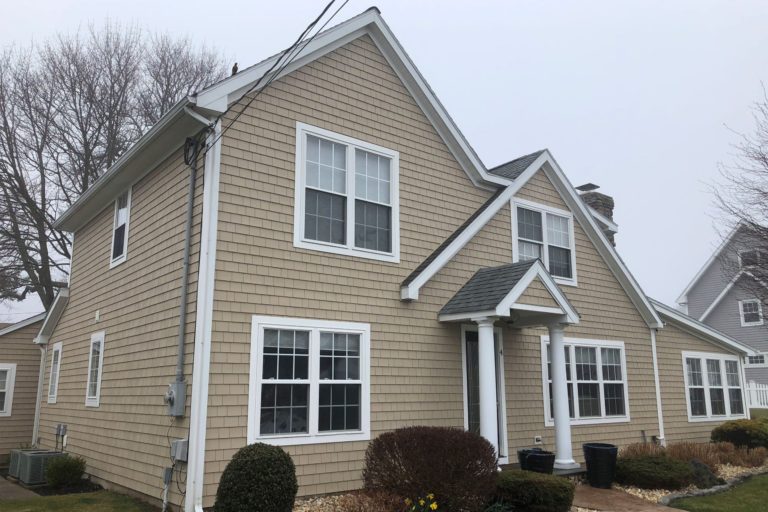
(727,319)
(759,375)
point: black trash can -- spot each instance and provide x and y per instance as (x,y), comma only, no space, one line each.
(536,459)
(601,464)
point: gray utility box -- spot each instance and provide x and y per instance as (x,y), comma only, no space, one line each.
(32,466)
(15,462)
(179,448)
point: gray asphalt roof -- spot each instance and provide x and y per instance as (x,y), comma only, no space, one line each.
(514,168)
(486,288)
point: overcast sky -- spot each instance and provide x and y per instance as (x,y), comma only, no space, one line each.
(639,97)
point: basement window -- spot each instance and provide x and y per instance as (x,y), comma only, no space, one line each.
(120,229)
(309,381)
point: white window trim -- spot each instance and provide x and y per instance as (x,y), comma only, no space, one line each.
(759,311)
(758,252)
(93,401)
(113,262)
(502,398)
(260,323)
(544,209)
(57,349)
(571,342)
(703,356)
(764,364)
(9,384)
(349,249)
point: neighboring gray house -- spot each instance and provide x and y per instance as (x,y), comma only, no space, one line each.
(722,295)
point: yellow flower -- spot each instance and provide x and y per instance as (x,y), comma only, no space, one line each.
(433,506)
(422,502)
(431,497)
(408,501)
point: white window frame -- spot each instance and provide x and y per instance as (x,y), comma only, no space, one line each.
(113,262)
(597,344)
(764,364)
(703,356)
(348,249)
(544,209)
(744,323)
(759,255)
(93,401)
(53,382)
(9,385)
(313,436)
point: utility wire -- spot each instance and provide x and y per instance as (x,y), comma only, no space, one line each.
(288,56)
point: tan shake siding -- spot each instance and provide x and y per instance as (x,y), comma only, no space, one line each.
(607,313)
(537,295)
(415,361)
(17,348)
(671,342)
(124,439)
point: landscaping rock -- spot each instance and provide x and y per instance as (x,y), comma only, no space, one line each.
(703,477)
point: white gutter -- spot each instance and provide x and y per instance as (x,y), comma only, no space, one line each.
(40,378)
(20,325)
(203,326)
(659,408)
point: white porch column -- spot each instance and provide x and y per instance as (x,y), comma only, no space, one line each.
(486,354)
(563,448)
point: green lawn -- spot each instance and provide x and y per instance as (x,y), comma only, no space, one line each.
(750,496)
(101,501)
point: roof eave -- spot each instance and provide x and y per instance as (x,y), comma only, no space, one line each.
(52,317)
(20,325)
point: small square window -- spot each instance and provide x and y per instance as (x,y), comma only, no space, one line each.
(751,312)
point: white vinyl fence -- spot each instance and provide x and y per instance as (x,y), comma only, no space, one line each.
(757,395)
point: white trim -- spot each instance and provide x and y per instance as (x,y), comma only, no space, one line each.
(764,364)
(53,316)
(39,395)
(744,323)
(657,387)
(610,225)
(502,398)
(93,400)
(721,296)
(598,344)
(9,384)
(20,325)
(544,210)
(113,262)
(51,381)
(701,330)
(203,326)
(348,249)
(313,436)
(683,298)
(702,357)
(759,254)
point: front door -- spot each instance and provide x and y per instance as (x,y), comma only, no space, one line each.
(472,387)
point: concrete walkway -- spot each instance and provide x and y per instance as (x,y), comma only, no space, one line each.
(13,491)
(613,500)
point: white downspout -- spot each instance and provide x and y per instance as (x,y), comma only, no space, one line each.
(40,378)
(659,408)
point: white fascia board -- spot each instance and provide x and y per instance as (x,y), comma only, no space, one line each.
(52,317)
(411,290)
(683,298)
(702,331)
(602,219)
(720,296)
(20,325)
(219,97)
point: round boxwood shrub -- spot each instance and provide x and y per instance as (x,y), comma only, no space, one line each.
(534,492)
(749,433)
(259,478)
(65,471)
(458,467)
(654,472)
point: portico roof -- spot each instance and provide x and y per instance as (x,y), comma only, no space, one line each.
(495,291)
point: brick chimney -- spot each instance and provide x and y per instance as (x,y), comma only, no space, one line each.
(601,203)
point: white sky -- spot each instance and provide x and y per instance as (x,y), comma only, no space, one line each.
(637,96)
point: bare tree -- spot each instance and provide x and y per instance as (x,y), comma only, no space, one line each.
(741,196)
(68,109)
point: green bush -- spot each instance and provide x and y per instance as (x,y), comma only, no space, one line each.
(535,492)
(749,433)
(654,472)
(457,466)
(64,471)
(259,478)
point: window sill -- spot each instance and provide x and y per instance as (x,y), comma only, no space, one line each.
(299,439)
(5,414)
(118,261)
(52,400)
(565,281)
(592,421)
(347,251)
(709,419)
(91,403)
(752,324)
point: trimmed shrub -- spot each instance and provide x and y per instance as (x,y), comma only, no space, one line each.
(259,478)
(749,433)
(653,472)
(519,490)
(458,467)
(66,471)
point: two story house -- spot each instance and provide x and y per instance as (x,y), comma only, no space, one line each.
(726,294)
(315,259)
